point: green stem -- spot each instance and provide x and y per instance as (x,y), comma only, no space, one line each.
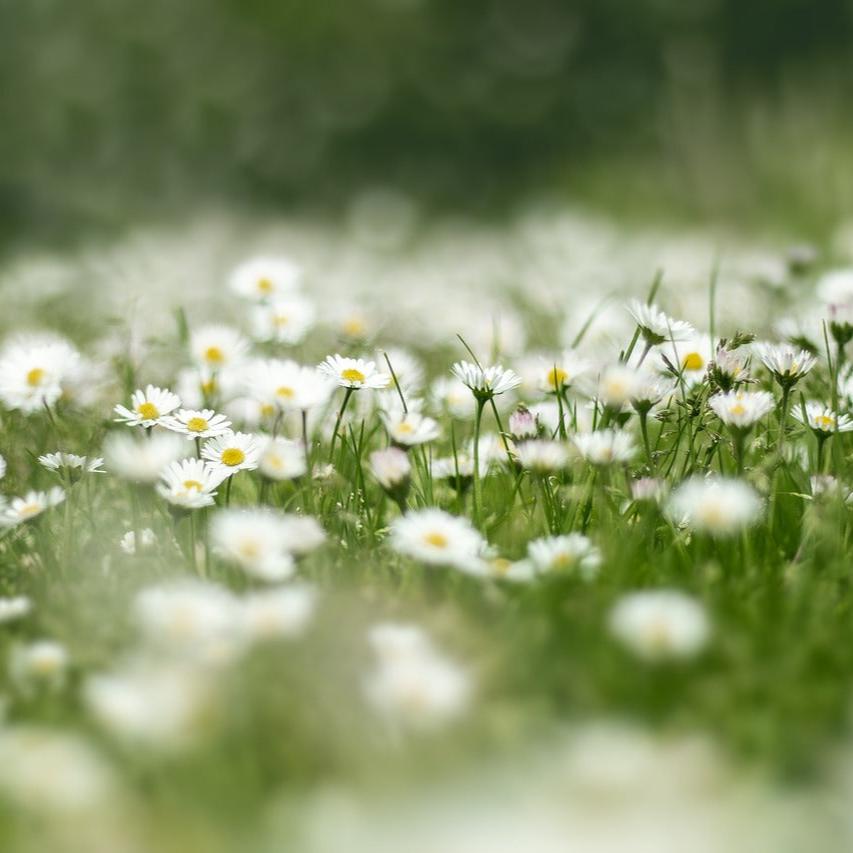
(347,395)
(478,495)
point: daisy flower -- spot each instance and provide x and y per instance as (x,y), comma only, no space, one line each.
(391,468)
(655,326)
(453,396)
(660,624)
(197,423)
(787,363)
(31,505)
(190,483)
(16,607)
(39,664)
(410,429)
(437,538)
(72,462)
(605,447)
(254,539)
(523,424)
(485,382)
(690,358)
(618,385)
(729,368)
(281,458)
(284,385)
(265,278)
(216,346)
(822,420)
(718,506)
(148,407)
(232,452)
(542,456)
(141,460)
(279,612)
(558,373)
(354,373)
(285,321)
(742,409)
(573,553)
(34,370)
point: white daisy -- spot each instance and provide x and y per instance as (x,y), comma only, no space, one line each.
(232,452)
(823,420)
(39,664)
(690,357)
(148,407)
(542,456)
(190,483)
(256,540)
(142,459)
(265,278)
(281,458)
(618,385)
(215,347)
(391,467)
(605,447)
(719,506)
(485,382)
(453,396)
(523,424)
(785,362)
(655,326)
(437,538)
(285,321)
(72,462)
(572,553)
(31,505)
(279,612)
(660,624)
(410,429)
(354,373)
(34,370)
(197,423)
(287,386)
(561,371)
(742,409)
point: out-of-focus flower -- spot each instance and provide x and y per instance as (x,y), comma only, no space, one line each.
(719,506)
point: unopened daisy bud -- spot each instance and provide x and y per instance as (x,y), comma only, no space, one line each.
(728,368)
(541,456)
(719,506)
(605,447)
(523,424)
(392,469)
(661,624)
(648,489)
(821,420)
(787,364)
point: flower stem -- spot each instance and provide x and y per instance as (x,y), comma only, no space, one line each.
(478,494)
(347,395)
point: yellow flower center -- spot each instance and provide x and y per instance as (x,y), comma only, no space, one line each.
(563,560)
(825,422)
(280,320)
(501,566)
(737,409)
(436,539)
(693,361)
(267,409)
(35,376)
(208,387)
(286,392)
(29,510)
(232,456)
(265,285)
(214,355)
(193,485)
(197,424)
(353,326)
(557,377)
(249,550)
(352,375)
(148,411)
(405,427)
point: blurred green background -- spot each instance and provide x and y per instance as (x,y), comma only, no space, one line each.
(114,110)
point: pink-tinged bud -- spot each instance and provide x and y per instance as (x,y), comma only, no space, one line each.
(522,424)
(648,489)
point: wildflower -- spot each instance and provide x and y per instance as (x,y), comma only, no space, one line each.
(197,423)
(655,326)
(190,484)
(718,506)
(649,489)
(41,664)
(605,447)
(302,533)
(542,456)
(73,463)
(255,539)
(277,613)
(741,410)
(787,364)
(127,543)
(410,429)
(557,374)
(285,321)
(648,391)
(148,407)
(354,373)
(487,382)
(392,469)
(216,347)
(437,538)
(141,460)
(572,553)
(619,385)
(30,506)
(412,684)
(265,278)
(14,607)
(281,459)
(35,370)
(523,424)
(660,624)
(407,369)
(822,420)
(287,386)
(232,452)
(452,395)
(688,360)
(728,369)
